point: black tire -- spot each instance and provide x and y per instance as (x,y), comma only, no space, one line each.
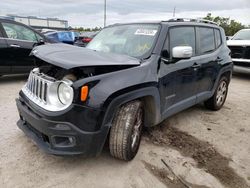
(125,133)
(217,101)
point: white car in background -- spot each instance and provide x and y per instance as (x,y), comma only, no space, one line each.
(239,45)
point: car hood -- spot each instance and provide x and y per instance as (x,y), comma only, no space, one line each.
(69,56)
(238,42)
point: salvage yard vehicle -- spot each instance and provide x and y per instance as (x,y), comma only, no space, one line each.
(68,37)
(239,45)
(16,42)
(129,76)
(85,38)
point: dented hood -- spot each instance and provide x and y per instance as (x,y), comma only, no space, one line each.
(68,56)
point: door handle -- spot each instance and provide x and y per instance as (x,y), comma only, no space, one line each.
(196,65)
(15,46)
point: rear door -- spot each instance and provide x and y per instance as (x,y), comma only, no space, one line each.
(5,64)
(20,41)
(209,43)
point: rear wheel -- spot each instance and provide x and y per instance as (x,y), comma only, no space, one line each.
(125,134)
(218,99)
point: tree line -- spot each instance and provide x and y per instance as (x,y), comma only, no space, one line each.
(230,26)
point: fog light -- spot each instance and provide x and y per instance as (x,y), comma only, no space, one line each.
(63,141)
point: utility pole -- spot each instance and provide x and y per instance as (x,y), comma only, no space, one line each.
(105,12)
(174,12)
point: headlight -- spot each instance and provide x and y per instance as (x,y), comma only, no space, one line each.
(60,95)
(65,93)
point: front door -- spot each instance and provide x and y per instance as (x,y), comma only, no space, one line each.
(177,77)
(20,41)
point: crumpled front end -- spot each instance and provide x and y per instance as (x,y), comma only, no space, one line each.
(55,127)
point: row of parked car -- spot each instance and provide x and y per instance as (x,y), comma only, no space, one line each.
(17,40)
(71,37)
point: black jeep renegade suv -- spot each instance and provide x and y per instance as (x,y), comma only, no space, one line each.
(130,76)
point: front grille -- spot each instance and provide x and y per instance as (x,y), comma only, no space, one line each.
(42,90)
(240,52)
(37,86)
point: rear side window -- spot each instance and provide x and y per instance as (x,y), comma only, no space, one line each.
(182,36)
(217,37)
(207,42)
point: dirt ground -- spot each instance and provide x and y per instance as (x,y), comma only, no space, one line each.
(196,148)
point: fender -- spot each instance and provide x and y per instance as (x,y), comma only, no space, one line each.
(151,94)
(225,68)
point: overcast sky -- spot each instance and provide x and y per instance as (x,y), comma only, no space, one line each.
(89,13)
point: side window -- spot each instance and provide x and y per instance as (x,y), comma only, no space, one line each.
(14,31)
(207,42)
(217,37)
(182,36)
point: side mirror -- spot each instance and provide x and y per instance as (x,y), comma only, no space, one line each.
(182,52)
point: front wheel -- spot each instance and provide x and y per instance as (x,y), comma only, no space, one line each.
(218,99)
(125,133)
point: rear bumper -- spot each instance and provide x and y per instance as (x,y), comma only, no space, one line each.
(59,137)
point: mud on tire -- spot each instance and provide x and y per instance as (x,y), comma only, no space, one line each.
(125,133)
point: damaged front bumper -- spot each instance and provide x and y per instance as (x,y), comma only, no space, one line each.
(56,136)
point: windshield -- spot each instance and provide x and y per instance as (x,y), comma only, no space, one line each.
(134,40)
(242,35)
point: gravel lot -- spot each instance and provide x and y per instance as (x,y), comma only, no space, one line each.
(195,148)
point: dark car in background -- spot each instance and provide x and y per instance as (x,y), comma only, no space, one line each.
(68,37)
(85,38)
(16,42)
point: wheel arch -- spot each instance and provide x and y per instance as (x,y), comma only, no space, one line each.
(150,98)
(227,74)
(227,71)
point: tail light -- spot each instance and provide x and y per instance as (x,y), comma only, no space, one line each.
(86,39)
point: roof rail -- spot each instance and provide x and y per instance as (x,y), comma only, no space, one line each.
(198,20)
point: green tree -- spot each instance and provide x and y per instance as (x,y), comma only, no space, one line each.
(230,26)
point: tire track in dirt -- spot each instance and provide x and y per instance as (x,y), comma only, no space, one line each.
(166,178)
(206,156)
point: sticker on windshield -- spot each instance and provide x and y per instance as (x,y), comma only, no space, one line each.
(148,32)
